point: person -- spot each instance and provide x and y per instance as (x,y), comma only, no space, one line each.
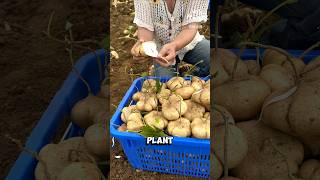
(174,26)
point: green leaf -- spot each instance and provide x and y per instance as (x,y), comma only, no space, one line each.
(157,120)
(158,86)
(144,74)
(149,131)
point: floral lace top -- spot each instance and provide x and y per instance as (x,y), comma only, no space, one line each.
(154,15)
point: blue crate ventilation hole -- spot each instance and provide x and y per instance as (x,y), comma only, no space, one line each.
(71,91)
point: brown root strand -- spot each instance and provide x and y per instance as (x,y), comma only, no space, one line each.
(77,72)
(225,153)
(309,49)
(31,153)
(237,61)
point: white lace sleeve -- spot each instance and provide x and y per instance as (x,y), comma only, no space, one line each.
(196,12)
(143,14)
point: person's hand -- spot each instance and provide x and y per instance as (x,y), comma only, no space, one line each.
(136,54)
(167,54)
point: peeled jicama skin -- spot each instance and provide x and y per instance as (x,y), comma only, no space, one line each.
(96,140)
(155,119)
(277,77)
(145,101)
(237,144)
(80,171)
(270,153)
(140,50)
(242,98)
(200,128)
(308,169)
(195,110)
(174,108)
(180,127)
(84,112)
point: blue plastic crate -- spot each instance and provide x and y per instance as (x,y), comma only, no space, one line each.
(251,54)
(185,156)
(71,91)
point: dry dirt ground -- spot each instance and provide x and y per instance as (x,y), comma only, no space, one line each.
(120,80)
(32,67)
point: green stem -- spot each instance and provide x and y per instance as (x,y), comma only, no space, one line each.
(309,49)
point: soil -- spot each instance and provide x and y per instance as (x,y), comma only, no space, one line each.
(33,67)
(121,77)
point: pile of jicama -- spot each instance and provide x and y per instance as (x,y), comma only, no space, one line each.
(78,157)
(273,115)
(179,107)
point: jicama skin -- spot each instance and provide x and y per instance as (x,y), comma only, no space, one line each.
(271,153)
